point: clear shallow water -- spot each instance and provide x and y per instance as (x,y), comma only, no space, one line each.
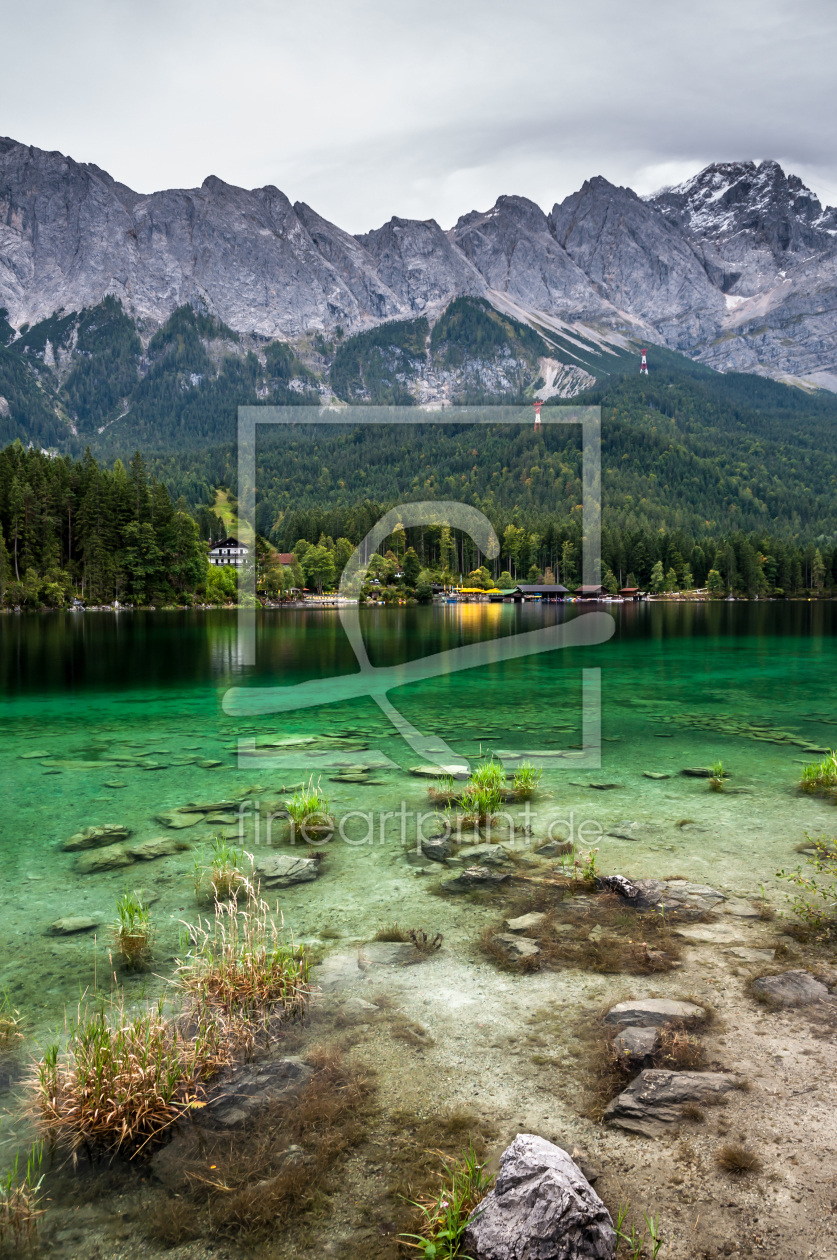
(751,684)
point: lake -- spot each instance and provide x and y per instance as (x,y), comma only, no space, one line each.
(120,719)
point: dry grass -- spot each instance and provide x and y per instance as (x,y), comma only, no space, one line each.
(241,967)
(275,1174)
(124,1079)
(391,933)
(19,1202)
(679,1049)
(691,1111)
(607,937)
(737,1160)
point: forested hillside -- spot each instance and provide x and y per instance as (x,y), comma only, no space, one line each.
(70,527)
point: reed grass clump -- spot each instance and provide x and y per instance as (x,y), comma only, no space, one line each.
(19,1199)
(308,811)
(131,933)
(10,1021)
(242,970)
(820,777)
(122,1079)
(717,777)
(525,781)
(220,872)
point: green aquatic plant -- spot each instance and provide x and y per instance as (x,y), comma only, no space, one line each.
(820,777)
(816,903)
(587,866)
(479,803)
(220,872)
(526,780)
(19,1198)
(308,810)
(131,932)
(717,777)
(445,1214)
(489,775)
(635,1240)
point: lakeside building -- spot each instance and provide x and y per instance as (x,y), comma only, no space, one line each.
(229,552)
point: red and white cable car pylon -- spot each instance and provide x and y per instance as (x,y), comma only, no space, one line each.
(537,404)
(643,363)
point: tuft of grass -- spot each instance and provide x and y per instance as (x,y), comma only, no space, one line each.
(241,968)
(308,810)
(679,1049)
(19,1200)
(391,933)
(445,1214)
(123,1079)
(717,778)
(10,1021)
(219,873)
(820,777)
(691,1111)
(525,782)
(737,1160)
(131,933)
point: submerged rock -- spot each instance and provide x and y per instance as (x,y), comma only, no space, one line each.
(109,859)
(553,848)
(676,896)
(542,1207)
(654,774)
(280,870)
(436,848)
(387,954)
(636,1045)
(177,821)
(653,1012)
(96,837)
(652,1102)
(712,933)
(473,878)
(73,923)
(790,988)
(514,947)
(163,847)
(526,922)
(485,855)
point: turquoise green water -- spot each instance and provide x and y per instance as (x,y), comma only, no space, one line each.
(121,711)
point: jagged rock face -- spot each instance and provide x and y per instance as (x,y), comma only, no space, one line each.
(513,249)
(354,263)
(748,222)
(638,261)
(418,262)
(69,235)
(736,267)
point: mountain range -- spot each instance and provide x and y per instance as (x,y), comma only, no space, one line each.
(735,268)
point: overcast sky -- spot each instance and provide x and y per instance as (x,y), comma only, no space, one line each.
(369,108)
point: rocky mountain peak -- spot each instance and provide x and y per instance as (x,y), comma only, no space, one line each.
(759,206)
(515,252)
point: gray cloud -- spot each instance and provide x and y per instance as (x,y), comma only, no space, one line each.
(365,111)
